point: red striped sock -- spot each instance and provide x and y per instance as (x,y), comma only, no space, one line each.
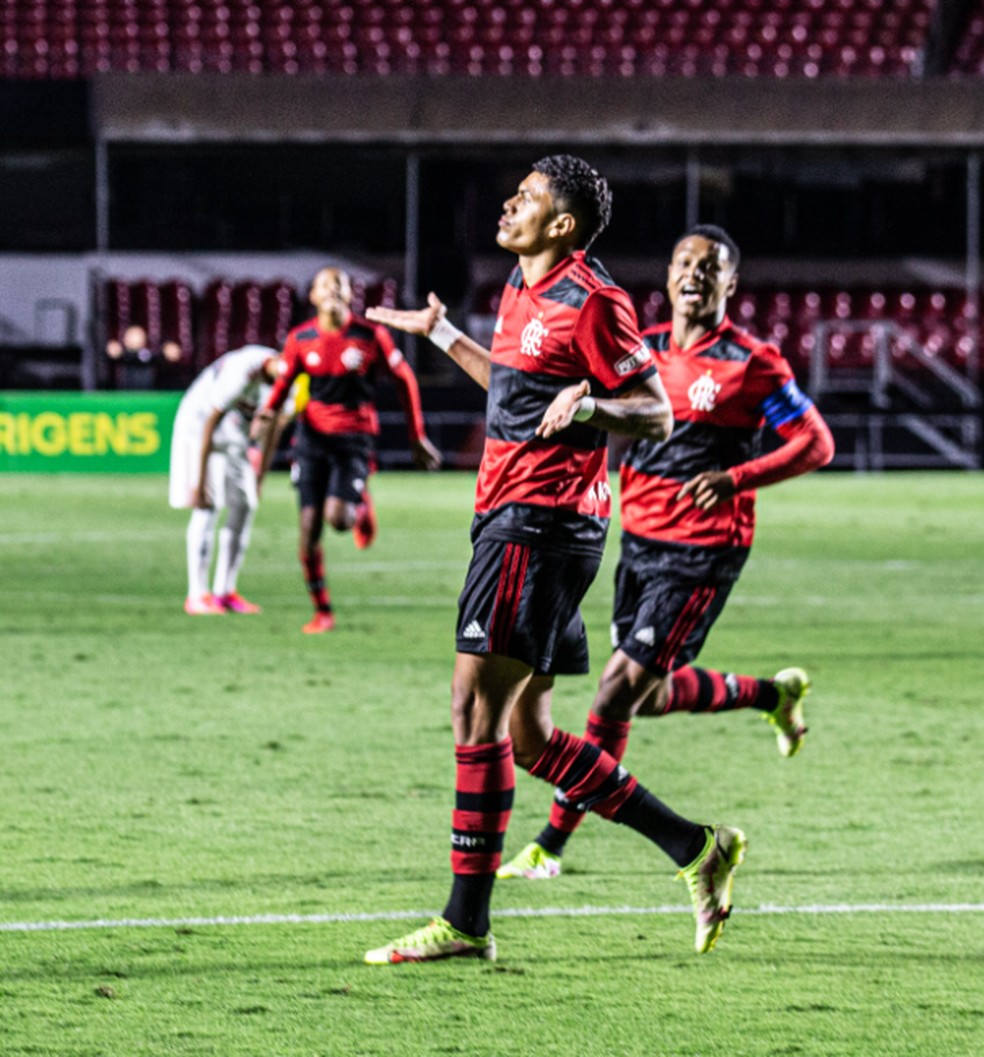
(587,776)
(705,690)
(483,802)
(610,735)
(313,563)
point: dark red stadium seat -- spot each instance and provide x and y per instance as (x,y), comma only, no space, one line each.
(177,322)
(277,312)
(632,38)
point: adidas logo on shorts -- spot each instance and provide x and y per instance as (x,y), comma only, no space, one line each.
(647,636)
(473,631)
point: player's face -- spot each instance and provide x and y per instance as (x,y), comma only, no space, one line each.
(331,293)
(526,220)
(701,278)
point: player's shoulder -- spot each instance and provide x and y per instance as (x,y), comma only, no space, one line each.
(737,344)
(364,330)
(361,328)
(657,337)
(305,331)
(582,278)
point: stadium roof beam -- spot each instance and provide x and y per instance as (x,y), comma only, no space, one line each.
(926,112)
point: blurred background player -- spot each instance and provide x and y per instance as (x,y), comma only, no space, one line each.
(688,515)
(342,354)
(542,509)
(213,468)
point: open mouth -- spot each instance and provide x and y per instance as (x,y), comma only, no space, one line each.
(691,295)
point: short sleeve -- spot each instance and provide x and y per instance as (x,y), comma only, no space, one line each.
(607,338)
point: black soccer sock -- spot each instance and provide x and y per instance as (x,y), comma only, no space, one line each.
(467,908)
(680,838)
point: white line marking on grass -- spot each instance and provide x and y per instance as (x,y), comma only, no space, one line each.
(515,912)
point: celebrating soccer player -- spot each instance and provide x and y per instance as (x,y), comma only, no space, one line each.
(567,364)
(688,515)
(342,355)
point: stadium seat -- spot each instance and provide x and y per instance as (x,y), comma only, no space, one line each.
(59,38)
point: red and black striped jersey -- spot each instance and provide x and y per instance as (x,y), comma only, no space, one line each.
(724,391)
(573,324)
(343,366)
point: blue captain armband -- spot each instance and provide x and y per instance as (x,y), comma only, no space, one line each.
(783,406)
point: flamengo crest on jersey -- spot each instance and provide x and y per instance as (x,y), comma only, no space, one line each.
(724,390)
(703,393)
(343,366)
(532,338)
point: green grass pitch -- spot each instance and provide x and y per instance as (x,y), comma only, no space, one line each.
(207,821)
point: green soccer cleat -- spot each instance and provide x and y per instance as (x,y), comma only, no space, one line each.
(437,940)
(793,684)
(710,878)
(532,864)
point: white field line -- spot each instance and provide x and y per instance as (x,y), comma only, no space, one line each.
(767,909)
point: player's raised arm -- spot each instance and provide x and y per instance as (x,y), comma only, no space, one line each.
(430,323)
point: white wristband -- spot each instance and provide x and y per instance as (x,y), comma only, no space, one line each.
(585,409)
(444,334)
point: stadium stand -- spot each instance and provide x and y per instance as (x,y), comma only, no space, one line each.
(504,38)
(224,315)
(904,337)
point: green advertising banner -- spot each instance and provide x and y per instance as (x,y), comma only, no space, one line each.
(71,432)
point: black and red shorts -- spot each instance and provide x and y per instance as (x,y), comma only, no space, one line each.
(333,465)
(522,602)
(667,598)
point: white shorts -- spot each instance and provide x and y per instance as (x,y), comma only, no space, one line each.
(231,478)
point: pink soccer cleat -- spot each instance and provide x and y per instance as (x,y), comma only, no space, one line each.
(203,606)
(320,623)
(235,603)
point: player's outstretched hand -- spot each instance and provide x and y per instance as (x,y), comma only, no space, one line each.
(560,414)
(708,489)
(425,455)
(414,321)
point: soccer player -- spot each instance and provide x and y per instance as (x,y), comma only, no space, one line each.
(567,364)
(688,516)
(211,469)
(342,354)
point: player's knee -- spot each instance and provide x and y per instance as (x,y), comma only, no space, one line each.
(628,689)
(463,700)
(340,515)
(654,703)
(528,745)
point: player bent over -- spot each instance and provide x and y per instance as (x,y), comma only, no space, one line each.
(688,517)
(211,470)
(567,365)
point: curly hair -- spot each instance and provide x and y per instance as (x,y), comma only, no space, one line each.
(581,190)
(713,233)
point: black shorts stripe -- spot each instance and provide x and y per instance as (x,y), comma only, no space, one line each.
(686,622)
(510,592)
